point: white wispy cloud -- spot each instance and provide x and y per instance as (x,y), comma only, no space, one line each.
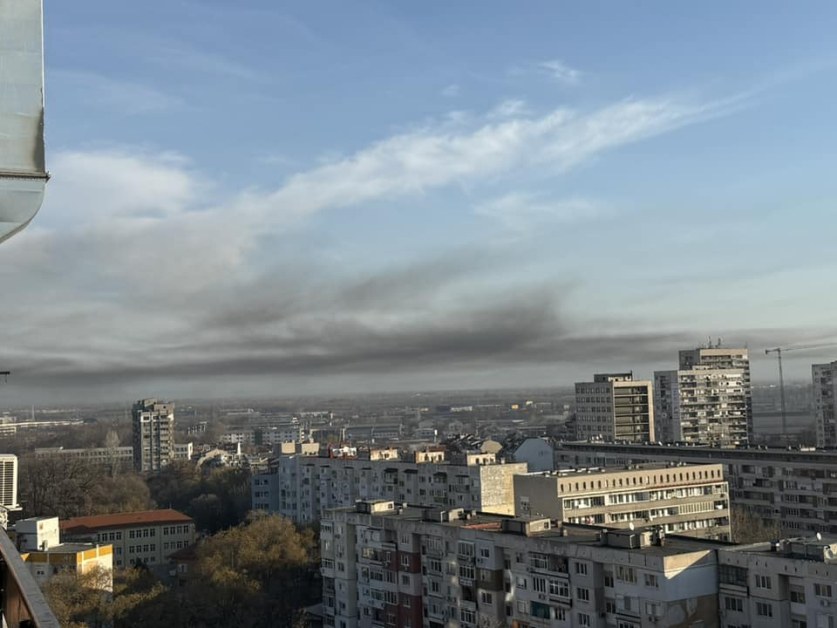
(560,71)
(431,157)
(120,95)
(522,211)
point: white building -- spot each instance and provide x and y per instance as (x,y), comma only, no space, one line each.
(302,487)
(707,400)
(791,583)
(537,453)
(825,394)
(384,565)
(8,482)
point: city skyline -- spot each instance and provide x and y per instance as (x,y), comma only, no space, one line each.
(255,201)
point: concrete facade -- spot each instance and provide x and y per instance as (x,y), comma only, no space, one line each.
(707,400)
(615,407)
(392,567)
(153,424)
(825,396)
(692,500)
(303,487)
(796,488)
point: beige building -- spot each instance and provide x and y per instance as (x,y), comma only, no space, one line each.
(38,541)
(691,500)
(615,407)
(153,424)
(392,567)
(147,537)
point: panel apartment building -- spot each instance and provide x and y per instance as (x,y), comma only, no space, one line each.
(797,488)
(707,400)
(388,567)
(302,487)
(825,396)
(691,500)
(153,424)
(615,407)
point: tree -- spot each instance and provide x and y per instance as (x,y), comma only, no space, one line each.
(66,488)
(749,527)
(81,600)
(260,573)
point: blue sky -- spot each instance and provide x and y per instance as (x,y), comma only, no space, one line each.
(262,197)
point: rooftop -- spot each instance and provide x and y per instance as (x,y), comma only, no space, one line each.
(81,525)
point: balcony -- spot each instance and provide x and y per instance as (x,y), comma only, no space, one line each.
(23,603)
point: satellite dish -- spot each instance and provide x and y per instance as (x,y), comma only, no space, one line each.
(819,536)
(631,525)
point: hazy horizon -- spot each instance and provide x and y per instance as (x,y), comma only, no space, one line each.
(375,197)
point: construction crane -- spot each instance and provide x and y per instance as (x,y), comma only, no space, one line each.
(778,351)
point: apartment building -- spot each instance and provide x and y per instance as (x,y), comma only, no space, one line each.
(302,487)
(615,407)
(795,487)
(389,566)
(788,584)
(146,538)
(153,424)
(825,396)
(707,400)
(691,500)
(8,482)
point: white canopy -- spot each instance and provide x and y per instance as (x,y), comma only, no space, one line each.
(22,168)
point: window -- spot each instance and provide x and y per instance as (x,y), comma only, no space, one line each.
(763,609)
(797,595)
(539,585)
(523,607)
(822,590)
(734,604)
(651,580)
(559,587)
(486,597)
(763,582)
(626,574)
(485,552)
(581,569)
(582,594)
(583,619)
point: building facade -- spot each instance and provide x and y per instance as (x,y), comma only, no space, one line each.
(409,567)
(8,482)
(797,488)
(138,538)
(615,407)
(825,393)
(692,500)
(114,457)
(302,487)
(153,424)
(707,400)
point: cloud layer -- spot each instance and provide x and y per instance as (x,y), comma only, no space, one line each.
(141,273)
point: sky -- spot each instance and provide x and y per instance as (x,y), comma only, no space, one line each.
(263,198)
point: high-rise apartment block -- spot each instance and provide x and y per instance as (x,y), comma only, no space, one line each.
(389,566)
(825,394)
(301,487)
(691,500)
(8,482)
(153,423)
(707,400)
(615,407)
